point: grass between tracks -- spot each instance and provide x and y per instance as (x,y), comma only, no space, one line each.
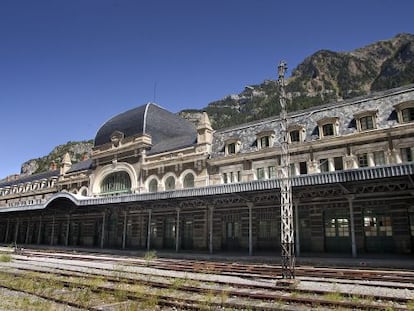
(86,292)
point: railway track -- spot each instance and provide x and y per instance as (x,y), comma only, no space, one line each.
(245,270)
(185,285)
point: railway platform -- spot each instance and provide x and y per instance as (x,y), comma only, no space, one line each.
(363,261)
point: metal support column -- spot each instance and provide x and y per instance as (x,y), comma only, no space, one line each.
(297,239)
(149,230)
(351,220)
(6,236)
(52,237)
(39,233)
(250,206)
(16,231)
(177,232)
(286,210)
(124,229)
(67,231)
(210,228)
(103,230)
(26,239)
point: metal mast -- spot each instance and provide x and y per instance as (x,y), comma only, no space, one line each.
(286,209)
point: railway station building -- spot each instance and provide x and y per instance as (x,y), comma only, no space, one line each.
(155,181)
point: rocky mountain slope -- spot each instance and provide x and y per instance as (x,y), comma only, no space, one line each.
(323,77)
(77,150)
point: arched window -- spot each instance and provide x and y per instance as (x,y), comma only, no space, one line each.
(153,185)
(188,181)
(115,183)
(170,183)
(84,192)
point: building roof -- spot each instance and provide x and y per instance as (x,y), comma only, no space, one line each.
(80,166)
(167,130)
(30,178)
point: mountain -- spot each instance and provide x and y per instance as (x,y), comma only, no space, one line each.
(323,77)
(78,151)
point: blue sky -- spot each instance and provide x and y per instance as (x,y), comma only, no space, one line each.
(67,66)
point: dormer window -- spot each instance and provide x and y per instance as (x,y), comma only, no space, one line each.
(265,139)
(366,120)
(232,146)
(405,112)
(294,136)
(328,127)
(116,137)
(408,114)
(296,133)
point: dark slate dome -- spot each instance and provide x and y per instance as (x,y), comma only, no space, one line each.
(168,130)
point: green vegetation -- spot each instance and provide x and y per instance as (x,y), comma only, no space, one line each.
(150,257)
(5,258)
(77,150)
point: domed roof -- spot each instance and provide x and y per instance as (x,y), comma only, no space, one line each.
(168,130)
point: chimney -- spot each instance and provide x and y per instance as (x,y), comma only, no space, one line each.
(66,163)
(53,166)
(204,133)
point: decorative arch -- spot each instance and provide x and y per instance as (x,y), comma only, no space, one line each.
(152,183)
(110,169)
(169,181)
(116,183)
(187,178)
(83,191)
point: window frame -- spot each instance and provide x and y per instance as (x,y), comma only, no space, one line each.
(400,108)
(267,136)
(300,130)
(362,119)
(232,146)
(332,122)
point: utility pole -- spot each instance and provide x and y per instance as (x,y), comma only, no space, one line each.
(286,208)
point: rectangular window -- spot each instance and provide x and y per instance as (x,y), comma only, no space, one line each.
(367,123)
(407,154)
(292,169)
(272,172)
(379,158)
(328,129)
(303,168)
(238,176)
(225,179)
(294,136)
(264,141)
(231,177)
(343,227)
(330,228)
(363,160)
(324,165)
(260,173)
(231,148)
(279,160)
(408,114)
(338,163)
(377,226)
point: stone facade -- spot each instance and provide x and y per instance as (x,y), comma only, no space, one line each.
(166,185)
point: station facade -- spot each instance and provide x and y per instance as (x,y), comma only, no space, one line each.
(156,181)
